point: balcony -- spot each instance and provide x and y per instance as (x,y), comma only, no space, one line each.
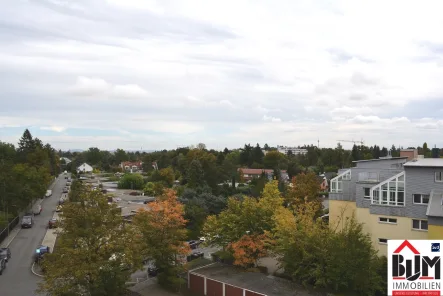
(368,177)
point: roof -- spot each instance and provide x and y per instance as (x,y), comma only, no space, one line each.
(253,281)
(378,159)
(425,162)
(258,171)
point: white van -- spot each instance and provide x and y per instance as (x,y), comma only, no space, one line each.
(48,193)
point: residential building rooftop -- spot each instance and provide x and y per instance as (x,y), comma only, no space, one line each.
(425,162)
(379,159)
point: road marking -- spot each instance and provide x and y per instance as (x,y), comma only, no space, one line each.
(33,271)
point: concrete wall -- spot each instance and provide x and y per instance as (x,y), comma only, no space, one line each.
(388,163)
(204,286)
(339,210)
(401,230)
(435,232)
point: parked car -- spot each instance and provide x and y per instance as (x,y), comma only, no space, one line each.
(27,222)
(2,265)
(59,208)
(153,271)
(194,256)
(40,253)
(37,210)
(69,180)
(52,223)
(65,190)
(48,193)
(68,183)
(5,253)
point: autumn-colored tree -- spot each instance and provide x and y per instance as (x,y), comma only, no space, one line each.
(304,189)
(162,233)
(248,249)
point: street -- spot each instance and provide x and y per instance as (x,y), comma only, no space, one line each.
(17,279)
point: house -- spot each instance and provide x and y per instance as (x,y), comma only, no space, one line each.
(324,179)
(131,166)
(393,197)
(85,168)
(249,174)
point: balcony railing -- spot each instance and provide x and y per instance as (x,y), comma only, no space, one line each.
(368,177)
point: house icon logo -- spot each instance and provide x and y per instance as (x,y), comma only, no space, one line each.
(413,268)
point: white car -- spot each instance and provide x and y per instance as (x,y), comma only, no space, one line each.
(48,193)
(202,239)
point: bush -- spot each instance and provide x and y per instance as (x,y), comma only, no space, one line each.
(131,181)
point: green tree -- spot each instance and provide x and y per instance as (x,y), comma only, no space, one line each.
(244,216)
(93,254)
(195,174)
(131,181)
(275,159)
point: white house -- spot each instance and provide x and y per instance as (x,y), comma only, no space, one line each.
(84,168)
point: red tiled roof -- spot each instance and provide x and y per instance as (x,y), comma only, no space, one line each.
(257,171)
(131,163)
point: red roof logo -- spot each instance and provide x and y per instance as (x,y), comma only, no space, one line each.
(406,244)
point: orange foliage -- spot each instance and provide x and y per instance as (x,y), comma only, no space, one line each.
(162,225)
(249,249)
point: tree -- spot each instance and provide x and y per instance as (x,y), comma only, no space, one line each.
(248,249)
(195,174)
(95,255)
(131,181)
(244,216)
(305,188)
(313,254)
(167,176)
(26,145)
(274,159)
(162,235)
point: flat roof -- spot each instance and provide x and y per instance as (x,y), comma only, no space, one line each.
(253,281)
(425,162)
(378,159)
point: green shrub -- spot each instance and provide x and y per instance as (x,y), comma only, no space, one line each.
(131,181)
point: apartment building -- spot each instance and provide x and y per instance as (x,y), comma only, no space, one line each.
(393,197)
(291,150)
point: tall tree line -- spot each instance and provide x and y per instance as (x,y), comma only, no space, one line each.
(25,174)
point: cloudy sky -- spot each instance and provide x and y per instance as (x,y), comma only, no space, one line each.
(161,74)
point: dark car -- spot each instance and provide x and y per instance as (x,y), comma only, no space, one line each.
(27,222)
(2,265)
(65,190)
(194,256)
(193,244)
(5,253)
(40,253)
(153,271)
(52,223)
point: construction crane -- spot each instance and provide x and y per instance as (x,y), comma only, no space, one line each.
(359,142)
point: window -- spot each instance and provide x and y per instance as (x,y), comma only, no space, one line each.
(438,176)
(337,182)
(390,192)
(421,199)
(367,193)
(387,220)
(419,224)
(383,241)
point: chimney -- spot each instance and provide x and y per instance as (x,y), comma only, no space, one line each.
(409,153)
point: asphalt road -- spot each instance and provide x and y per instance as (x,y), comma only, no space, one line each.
(17,279)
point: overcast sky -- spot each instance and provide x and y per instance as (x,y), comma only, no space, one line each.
(161,74)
